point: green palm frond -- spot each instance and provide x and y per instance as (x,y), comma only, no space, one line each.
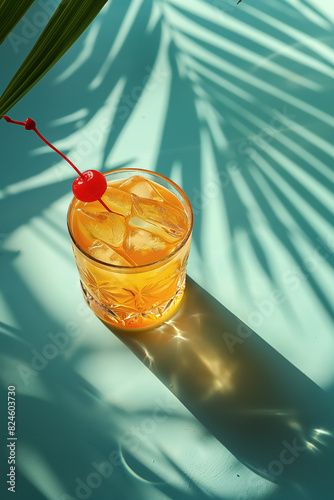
(68,22)
(10,16)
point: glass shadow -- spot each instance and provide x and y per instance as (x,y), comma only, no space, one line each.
(270,415)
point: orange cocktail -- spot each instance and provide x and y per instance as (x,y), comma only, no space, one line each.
(132,262)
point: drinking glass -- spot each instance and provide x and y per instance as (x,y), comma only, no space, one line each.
(140,295)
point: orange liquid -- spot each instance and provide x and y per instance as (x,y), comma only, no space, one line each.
(144,293)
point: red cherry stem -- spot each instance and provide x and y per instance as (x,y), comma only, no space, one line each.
(59,152)
(9,120)
(105,206)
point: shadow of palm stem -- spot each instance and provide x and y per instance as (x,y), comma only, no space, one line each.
(256,403)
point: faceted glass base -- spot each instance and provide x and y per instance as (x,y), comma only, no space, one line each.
(119,316)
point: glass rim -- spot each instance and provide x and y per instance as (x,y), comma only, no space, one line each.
(150,264)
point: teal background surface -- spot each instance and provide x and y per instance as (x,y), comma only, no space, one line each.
(235,104)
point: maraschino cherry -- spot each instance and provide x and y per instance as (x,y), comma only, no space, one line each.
(89,185)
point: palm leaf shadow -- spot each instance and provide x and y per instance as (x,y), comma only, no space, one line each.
(134,84)
(243,96)
(180,142)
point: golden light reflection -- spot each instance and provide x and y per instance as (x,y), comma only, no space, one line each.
(318,439)
(148,357)
(212,372)
(218,376)
(312,447)
(294,424)
(270,412)
(197,317)
(318,432)
(321,436)
(185,357)
(171,330)
(179,335)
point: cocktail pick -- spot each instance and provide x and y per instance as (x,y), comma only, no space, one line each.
(89,185)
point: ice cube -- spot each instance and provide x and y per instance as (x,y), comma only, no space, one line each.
(156,229)
(145,247)
(141,187)
(161,214)
(103,226)
(105,253)
(118,201)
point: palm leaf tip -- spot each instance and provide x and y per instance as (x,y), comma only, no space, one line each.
(68,22)
(11,16)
